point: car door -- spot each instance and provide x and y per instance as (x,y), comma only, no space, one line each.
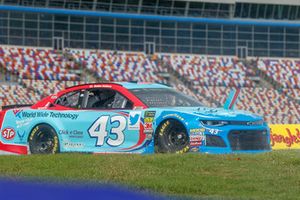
(106,122)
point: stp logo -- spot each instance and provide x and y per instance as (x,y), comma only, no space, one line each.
(8,133)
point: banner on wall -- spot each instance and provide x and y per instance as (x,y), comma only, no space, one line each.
(285,136)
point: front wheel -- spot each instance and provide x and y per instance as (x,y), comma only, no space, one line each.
(43,140)
(172,137)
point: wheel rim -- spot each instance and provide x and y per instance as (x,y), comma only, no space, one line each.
(176,137)
(43,143)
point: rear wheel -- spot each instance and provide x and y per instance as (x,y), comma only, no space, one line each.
(171,137)
(43,140)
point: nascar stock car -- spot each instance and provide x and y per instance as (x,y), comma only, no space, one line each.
(128,118)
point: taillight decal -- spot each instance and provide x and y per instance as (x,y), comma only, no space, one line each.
(2,114)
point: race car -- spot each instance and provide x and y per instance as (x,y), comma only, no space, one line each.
(125,117)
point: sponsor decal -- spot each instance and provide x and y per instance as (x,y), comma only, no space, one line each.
(104,133)
(21,135)
(213,131)
(100,86)
(45,114)
(8,133)
(217,112)
(197,131)
(23,122)
(17,112)
(71,133)
(285,136)
(148,126)
(72,145)
(210,110)
(149,136)
(64,115)
(196,143)
(174,115)
(148,119)
(134,120)
(150,131)
(194,149)
(150,114)
(196,140)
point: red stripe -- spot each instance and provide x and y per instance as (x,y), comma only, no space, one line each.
(141,139)
(124,114)
(2,114)
(234,98)
(12,148)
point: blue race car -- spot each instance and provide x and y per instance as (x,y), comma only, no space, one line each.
(128,118)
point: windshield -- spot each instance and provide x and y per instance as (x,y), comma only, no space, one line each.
(164,97)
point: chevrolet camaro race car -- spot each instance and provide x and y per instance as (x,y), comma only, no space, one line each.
(128,118)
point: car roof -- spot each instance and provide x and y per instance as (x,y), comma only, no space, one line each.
(127,85)
(141,85)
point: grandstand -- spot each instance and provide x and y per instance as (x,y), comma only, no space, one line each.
(203,48)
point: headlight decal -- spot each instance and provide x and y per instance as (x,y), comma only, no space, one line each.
(216,123)
(213,123)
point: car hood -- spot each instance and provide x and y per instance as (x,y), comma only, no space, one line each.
(219,113)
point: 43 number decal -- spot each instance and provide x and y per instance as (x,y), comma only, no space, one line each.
(99,130)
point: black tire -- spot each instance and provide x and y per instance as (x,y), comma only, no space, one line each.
(43,140)
(171,137)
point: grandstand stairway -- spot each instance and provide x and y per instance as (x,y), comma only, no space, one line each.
(256,74)
(6,76)
(183,84)
(266,81)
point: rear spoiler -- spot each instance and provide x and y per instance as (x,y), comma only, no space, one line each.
(16,106)
(232,99)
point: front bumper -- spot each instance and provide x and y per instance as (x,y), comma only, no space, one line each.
(235,139)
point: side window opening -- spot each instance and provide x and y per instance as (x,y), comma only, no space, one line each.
(106,99)
(71,99)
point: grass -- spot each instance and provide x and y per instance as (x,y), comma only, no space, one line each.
(274,175)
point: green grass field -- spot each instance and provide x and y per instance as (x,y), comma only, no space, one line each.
(274,175)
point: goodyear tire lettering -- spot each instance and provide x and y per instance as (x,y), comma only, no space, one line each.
(43,140)
(166,131)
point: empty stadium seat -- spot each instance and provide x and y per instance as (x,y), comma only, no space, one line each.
(16,94)
(284,71)
(209,70)
(120,66)
(42,64)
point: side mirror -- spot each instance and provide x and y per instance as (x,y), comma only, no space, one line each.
(49,105)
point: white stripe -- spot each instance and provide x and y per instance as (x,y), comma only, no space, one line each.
(7,153)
